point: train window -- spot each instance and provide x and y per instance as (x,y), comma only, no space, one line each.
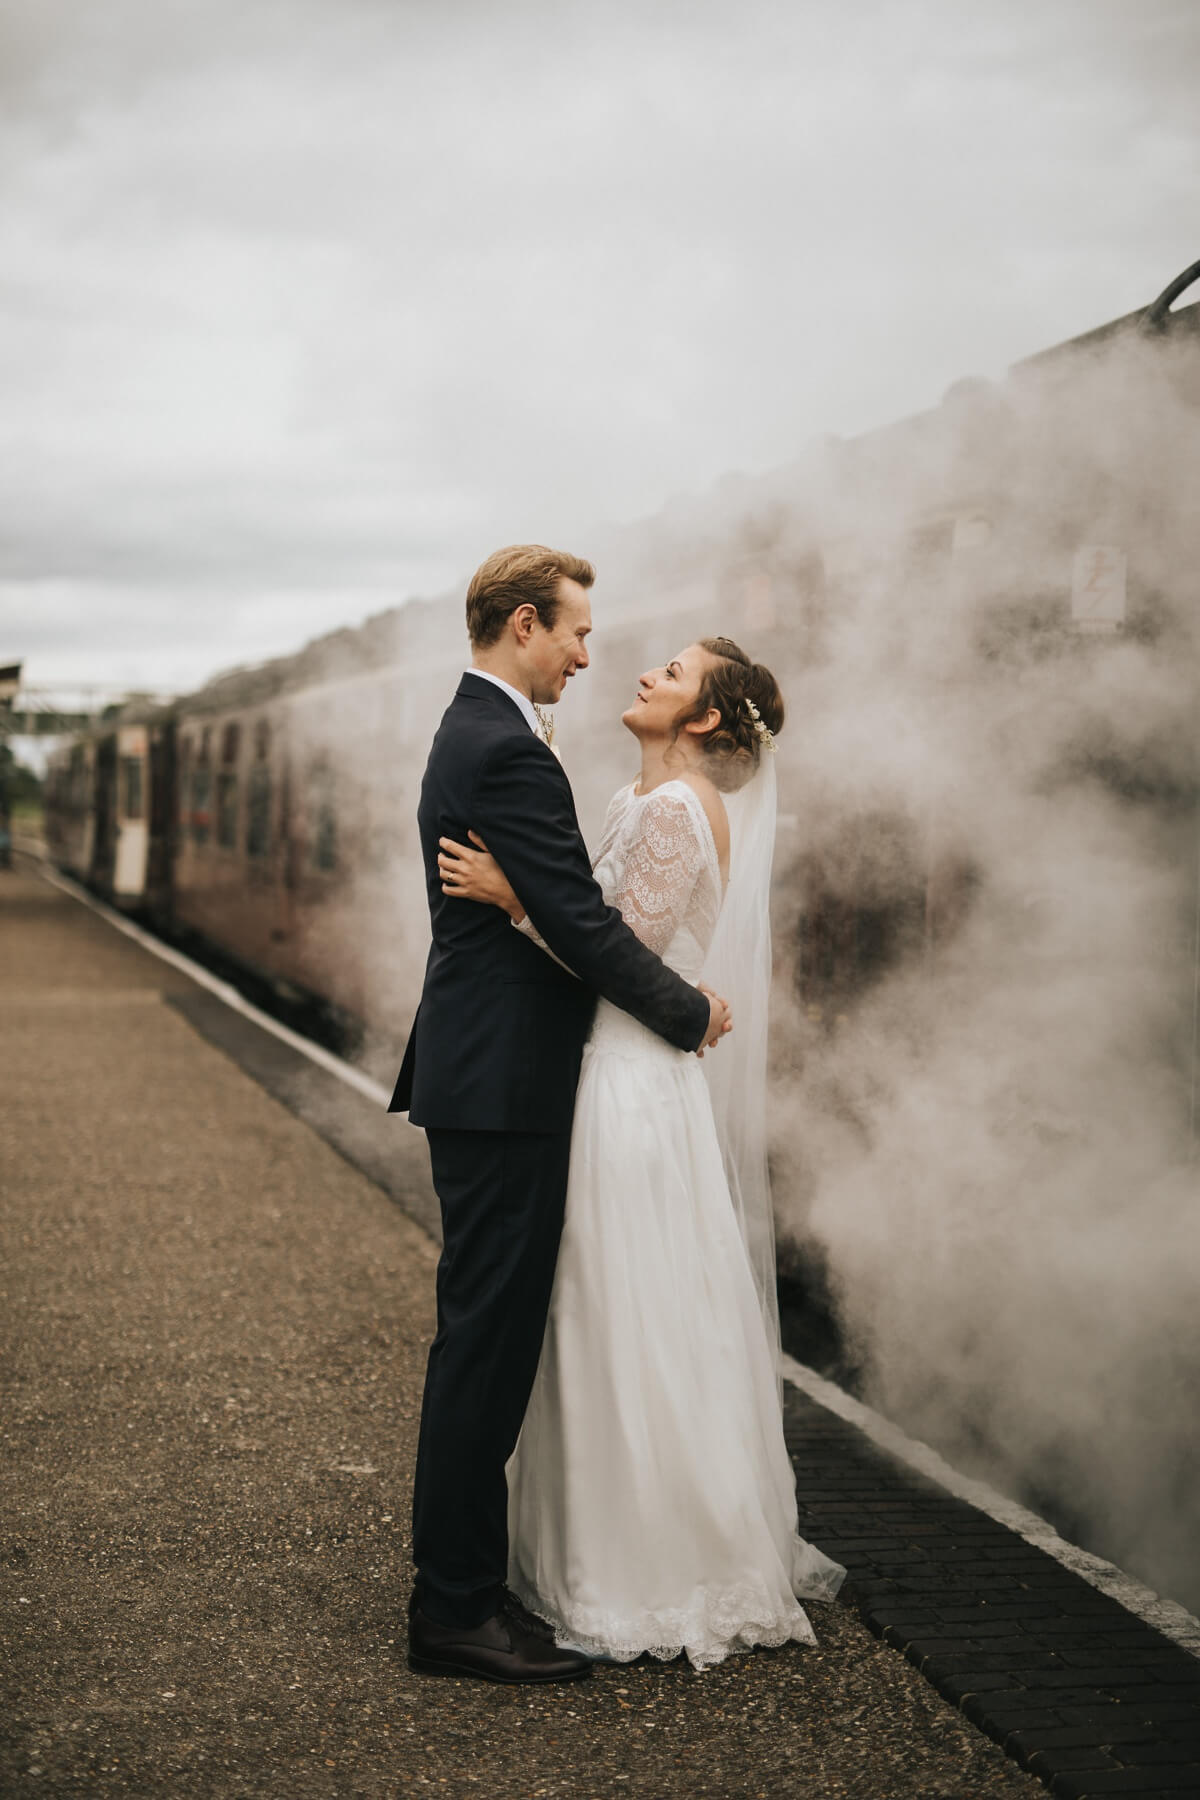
(971,531)
(322,819)
(202,790)
(258,810)
(227,797)
(77,781)
(929,546)
(184,785)
(865,909)
(227,810)
(258,794)
(132,769)
(201,799)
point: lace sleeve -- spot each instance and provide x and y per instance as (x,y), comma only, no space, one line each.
(614,818)
(612,822)
(660,871)
(528,929)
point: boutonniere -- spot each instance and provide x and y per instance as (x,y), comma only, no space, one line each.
(546,722)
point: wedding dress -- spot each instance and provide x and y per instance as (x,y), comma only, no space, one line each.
(651,1498)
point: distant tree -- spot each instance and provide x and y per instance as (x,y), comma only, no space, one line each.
(19,786)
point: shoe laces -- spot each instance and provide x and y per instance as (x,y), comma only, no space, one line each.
(519,1613)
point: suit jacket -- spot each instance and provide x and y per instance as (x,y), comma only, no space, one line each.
(499,1034)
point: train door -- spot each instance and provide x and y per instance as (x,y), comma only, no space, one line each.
(290,851)
(270,863)
(104,795)
(160,849)
(131,835)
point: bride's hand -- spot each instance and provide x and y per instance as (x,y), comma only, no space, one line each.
(720,1019)
(476,875)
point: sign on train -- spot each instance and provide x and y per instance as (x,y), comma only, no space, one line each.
(1098,587)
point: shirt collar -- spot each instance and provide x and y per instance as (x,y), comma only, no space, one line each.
(514,694)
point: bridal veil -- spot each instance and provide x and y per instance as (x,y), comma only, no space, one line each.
(738,966)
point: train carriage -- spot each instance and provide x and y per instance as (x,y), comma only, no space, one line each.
(99,796)
(271,815)
(985,1071)
(295,789)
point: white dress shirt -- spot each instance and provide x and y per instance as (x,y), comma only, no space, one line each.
(522,700)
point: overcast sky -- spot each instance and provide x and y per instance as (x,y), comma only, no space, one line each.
(305,305)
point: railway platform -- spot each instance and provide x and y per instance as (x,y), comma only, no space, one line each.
(215,1302)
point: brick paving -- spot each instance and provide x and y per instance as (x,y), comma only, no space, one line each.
(141,1164)
(1077,1689)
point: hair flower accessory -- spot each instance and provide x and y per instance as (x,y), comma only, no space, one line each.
(764,732)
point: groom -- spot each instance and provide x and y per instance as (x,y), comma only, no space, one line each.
(490,1072)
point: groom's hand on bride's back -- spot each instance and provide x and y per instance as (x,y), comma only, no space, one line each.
(720,1019)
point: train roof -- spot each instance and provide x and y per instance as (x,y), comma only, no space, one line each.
(413,626)
(1161,319)
(389,636)
(380,642)
(873,454)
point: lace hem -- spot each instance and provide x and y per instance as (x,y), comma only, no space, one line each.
(712,1627)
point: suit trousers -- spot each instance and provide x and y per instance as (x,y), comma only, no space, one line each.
(502,1197)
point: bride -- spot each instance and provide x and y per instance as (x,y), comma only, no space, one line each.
(651,1498)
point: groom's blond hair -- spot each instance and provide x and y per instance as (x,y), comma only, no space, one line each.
(520,575)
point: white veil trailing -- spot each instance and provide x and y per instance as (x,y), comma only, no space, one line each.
(738,966)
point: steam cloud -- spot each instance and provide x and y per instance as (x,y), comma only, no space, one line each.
(984,1036)
(985,1134)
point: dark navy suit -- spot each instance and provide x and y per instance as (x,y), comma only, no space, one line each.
(490,1072)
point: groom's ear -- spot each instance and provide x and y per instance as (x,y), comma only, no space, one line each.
(522,619)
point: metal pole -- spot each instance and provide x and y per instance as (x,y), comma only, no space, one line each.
(1195,994)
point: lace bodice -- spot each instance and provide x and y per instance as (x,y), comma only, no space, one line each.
(657,864)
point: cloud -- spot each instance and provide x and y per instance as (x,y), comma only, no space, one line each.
(331,298)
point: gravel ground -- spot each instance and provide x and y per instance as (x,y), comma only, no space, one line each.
(213,1336)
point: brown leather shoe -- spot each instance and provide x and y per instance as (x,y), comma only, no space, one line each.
(498,1650)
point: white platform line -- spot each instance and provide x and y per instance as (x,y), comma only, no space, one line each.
(1166,1616)
(324,1059)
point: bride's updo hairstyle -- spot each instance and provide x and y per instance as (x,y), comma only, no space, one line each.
(747,696)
